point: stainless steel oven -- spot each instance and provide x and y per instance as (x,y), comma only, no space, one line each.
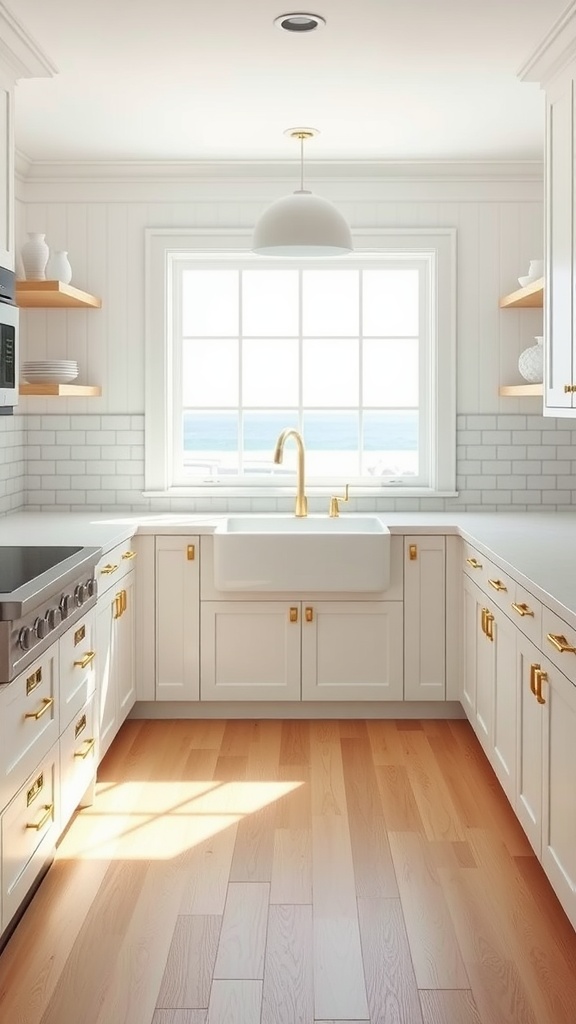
(9,356)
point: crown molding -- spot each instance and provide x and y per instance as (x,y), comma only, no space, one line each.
(266,172)
(555,51)
(20,54)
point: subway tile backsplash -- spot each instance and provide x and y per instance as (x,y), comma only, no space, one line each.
(96,463)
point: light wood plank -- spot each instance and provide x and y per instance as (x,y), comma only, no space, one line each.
(385,742)
(288,994)
(188,974)
(254,847)
(243,934)
(432,795)
(433,944)
(53,294)
(390,980)
(449,1008)
(180,1017)
(208,871)
(400,809)
(295,743)
(373,867)
(328,791)
(294,810)
(292,866)
(232,1002)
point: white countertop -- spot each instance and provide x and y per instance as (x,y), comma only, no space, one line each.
(538,549)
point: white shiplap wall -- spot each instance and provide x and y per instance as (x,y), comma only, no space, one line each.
(506,450)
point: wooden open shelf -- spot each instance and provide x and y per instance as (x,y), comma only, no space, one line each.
(53,295)
(530,296)
(61,390)
(520,390)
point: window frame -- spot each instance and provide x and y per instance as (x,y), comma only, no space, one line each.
(165,246)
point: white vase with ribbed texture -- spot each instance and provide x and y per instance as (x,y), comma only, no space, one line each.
(58,267)
(35,255)
(531,362)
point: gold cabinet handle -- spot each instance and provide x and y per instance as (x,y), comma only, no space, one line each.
(309,613)
(191,552)
(474,563)
(539,678)
(497,584)
(107,570)
(84,753)
(37,826)
(123,601)
(413,552)
(560,643)
(334,500)
(484,614)
(533,669)
(85,661)
(118,606)
(33,681)
(569,389)
(129,554)
(45,706)
(522,609)
(293,615)
(489,621)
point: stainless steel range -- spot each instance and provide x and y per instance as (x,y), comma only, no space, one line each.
(43,591)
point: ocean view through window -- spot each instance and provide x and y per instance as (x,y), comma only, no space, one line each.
(354,353)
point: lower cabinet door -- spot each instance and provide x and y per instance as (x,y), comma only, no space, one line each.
(558,696)
(250,650)
(472,598)
(125,626)
(352,650)
(78,759)
(505,727)
(528,802)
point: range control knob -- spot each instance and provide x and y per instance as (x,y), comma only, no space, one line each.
(25,638)
(92,587)
(65,605)
(54,617)
(80,594)
(41,628)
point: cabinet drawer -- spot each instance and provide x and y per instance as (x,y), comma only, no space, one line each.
(78,759)
(77,668)
(114,565)
(28,722)
(30,827)
(526,612)
(559,643)
(474,564)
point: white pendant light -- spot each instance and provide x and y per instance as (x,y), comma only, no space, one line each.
(302,224)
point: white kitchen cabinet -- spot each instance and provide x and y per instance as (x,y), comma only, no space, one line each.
(301,650)
(6,175)
(177,619)
(528,800)
(559,784)
(115,642)
(425,618)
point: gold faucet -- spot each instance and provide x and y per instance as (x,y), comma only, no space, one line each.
(301,499)
(334,500)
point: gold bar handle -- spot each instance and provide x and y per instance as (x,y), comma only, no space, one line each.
(497,584)
(309,613)
(48,808)
(118,606)
(489,621)
(123,601)
(539,678)
(46,705)
(533,669)
(85,661)
(569,389)
(129,554)
(413,552)
(191,552)
(293,615)
(474,563)
(107,570)
(484,614)
(522,609)
(560,643)
(84,753)
(33,681)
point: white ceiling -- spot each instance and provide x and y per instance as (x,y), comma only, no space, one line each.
(215,80)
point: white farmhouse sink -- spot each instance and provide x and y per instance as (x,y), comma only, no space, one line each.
(286,553)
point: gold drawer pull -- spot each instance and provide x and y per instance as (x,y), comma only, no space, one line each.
(474,563)
(86,660)
(35,789)
(123,601)
(129,554)
(489,620)
(533,669)
(118,606)
(560,643)
(497,584)
(569,389)
(539,678)
(413,552)
(293,615)
(48,808)
(522,609)
(107,570)
(191,552)
(84,753)
(80,726)
(46,705)
(484,614)
(309,613)
(33,681)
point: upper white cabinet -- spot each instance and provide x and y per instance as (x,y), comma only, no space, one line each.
(554,66)
(6,176)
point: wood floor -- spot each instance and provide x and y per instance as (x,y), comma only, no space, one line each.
(289,873)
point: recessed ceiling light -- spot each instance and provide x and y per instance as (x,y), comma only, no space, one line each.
(299,22)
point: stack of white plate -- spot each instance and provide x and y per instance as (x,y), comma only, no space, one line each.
(50,371)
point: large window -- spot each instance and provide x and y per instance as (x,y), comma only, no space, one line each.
(347,351)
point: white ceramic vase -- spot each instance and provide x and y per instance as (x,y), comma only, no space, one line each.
(58,267)
(35,255)
(531,362)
